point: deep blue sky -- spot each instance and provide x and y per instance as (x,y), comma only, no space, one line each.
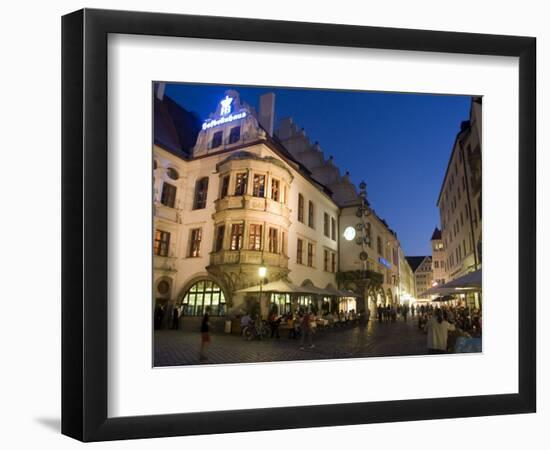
(399,144)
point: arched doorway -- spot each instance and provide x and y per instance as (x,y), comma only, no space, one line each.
(201,295)
(162,305)
(381,297)
(389,297)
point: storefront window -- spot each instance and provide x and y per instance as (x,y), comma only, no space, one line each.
(281,303)
(202,294)
(305,302)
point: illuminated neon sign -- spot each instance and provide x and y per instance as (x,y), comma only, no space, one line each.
(222,120)
(226,106)
(384,262)
(225,111)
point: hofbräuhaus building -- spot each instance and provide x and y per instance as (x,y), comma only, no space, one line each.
(231,195)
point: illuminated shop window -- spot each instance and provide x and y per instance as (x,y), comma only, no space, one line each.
(280,303)
(202,294)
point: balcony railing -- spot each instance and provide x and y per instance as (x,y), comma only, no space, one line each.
(252,203)
(248,257)
(376,278)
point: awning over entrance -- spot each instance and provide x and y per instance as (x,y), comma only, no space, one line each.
(471,282)
(445,298)
(286,287)
(281,286)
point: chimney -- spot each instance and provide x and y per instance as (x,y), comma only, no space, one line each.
(267,112)
(160,90)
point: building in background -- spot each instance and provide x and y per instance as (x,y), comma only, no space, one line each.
(243,197)
(423,275)
(459,201)
(438,257)
(407,282)
(368,248)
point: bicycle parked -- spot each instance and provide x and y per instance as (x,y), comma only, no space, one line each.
(256,330)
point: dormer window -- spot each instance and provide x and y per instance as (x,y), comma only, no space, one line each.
(234,135)
(217,139)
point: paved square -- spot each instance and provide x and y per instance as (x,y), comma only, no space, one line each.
(175,347)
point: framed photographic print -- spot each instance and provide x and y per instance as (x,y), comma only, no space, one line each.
(273,224)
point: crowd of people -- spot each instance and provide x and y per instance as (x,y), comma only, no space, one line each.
(297,325)
(389,313)
(451,328)
(447,329)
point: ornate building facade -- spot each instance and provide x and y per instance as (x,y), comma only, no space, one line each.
(245,196)
(459,200)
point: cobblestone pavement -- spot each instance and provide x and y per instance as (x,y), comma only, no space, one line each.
(175,347)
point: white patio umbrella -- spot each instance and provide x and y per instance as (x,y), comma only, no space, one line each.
(283,287)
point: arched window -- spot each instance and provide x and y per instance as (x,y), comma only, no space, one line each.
(202,294)
(201,192)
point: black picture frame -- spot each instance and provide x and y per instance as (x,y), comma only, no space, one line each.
(84,224)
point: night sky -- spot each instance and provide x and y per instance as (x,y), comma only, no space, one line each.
(399,144)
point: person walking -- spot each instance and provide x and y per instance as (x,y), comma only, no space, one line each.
(205,334)
(159,315)
(437,329)
(379,312)
(175,318)
(274,322)
(306,330)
